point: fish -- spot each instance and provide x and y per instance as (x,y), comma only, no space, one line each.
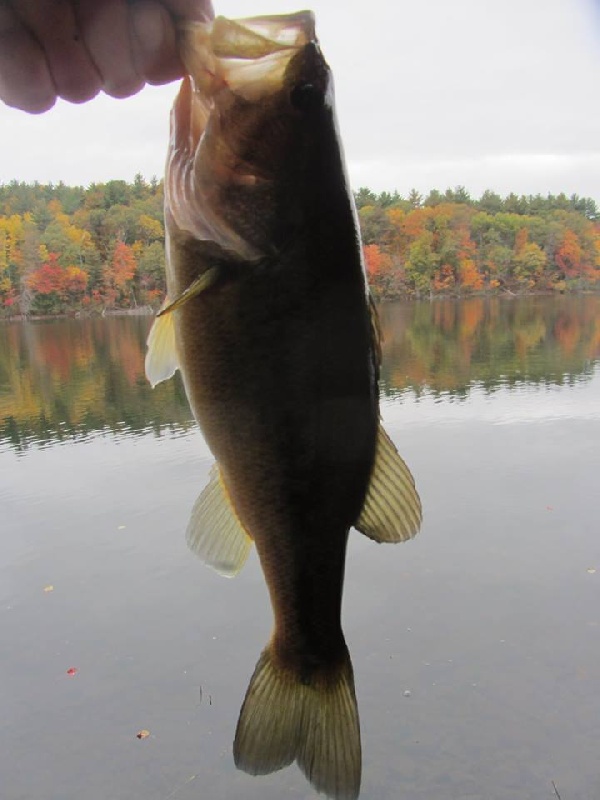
(269,318)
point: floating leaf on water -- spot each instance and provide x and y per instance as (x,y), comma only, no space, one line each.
(143,734)
(72,671)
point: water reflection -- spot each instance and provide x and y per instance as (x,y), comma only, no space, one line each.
(68,378)
(448,346)
(490,617)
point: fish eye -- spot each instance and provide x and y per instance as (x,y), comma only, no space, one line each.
(306,97)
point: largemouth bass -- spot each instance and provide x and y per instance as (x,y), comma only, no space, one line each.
(268,317)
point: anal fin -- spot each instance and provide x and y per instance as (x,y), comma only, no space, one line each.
(214,532)
(392,508)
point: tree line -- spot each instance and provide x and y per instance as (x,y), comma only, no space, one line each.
(66,248)
(69,248)
(452,244)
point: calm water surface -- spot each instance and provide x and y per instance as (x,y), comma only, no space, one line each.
(476,647)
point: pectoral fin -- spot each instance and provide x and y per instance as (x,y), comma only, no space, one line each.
(161,358)
(205,281)
(214,532)
(392,509)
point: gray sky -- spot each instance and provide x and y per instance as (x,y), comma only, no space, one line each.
(430,94)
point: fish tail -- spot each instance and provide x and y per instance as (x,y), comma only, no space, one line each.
(313,721)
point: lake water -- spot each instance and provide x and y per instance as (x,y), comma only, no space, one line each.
(476,647)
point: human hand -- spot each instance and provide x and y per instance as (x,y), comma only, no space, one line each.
(75,48)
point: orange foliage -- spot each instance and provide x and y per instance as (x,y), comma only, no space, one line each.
(374,259)
(123,265)
(569,254)
(119,273)
(414,224)
(470,277)
(521,239)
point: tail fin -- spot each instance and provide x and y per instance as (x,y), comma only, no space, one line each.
(314,722)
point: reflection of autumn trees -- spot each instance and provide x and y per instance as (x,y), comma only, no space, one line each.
(455,245)
(447,345)
(68,378)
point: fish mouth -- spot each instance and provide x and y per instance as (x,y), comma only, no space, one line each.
(252,58)
(247,56)
(228,61)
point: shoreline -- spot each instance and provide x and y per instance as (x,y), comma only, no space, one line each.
(149,311)
(142,311)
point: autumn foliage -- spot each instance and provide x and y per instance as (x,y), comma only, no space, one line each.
(66,249)
(451,244)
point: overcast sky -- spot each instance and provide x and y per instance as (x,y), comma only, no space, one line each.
(499,94)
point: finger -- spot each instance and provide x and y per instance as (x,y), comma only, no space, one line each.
(105,30)
(53,24)
(200,10)
(154,37)
(25,80)
(153,41)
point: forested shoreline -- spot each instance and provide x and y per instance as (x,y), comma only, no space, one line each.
(100,249)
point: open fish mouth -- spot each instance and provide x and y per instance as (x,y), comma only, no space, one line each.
(248,56)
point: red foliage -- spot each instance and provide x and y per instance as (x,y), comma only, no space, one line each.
(51,278)
(48,278)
